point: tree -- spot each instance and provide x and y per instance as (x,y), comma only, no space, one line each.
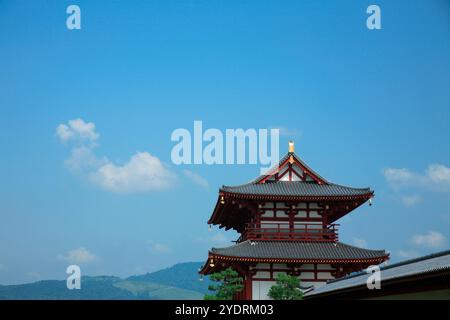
(286,288)
(230,283)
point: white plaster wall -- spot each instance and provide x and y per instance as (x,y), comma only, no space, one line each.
(260,289)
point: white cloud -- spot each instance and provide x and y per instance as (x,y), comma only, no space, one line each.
(77,129)
(78,256)
(407,254)
(64,132)
(432,240)
(143,172)
(83,158)
(219,238)
(436,177)
(400,177)
(360,243)
(196,178)
(83,136)
(410,201)
(215,239)
(287,132)
(35,276)
(159,247)
(439,173)
(422,243)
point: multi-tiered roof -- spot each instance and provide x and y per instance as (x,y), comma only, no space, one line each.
(291,183)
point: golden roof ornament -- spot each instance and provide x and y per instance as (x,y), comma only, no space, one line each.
(291,152)
(291,147)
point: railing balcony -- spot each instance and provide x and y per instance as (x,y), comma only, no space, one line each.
(301,232)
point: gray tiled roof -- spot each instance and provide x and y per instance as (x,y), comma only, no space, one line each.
(424,265)
(293,189)
(296,189)
(298,250)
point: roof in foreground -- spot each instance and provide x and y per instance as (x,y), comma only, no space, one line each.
(298,251)
(439,262)
(297,189)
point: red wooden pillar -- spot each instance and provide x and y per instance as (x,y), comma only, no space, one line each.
(258,215)
(245,272)
(248,288)
(291,220)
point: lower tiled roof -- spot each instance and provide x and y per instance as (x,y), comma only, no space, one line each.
(297,250)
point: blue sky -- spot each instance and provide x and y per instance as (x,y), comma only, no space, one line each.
(365,108)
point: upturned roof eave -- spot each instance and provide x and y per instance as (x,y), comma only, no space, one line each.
(218,257)
(381,259)
(250,196)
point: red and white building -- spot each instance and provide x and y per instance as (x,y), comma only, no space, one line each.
(287,224)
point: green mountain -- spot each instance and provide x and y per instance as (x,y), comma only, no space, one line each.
(180,282)
(182,275)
